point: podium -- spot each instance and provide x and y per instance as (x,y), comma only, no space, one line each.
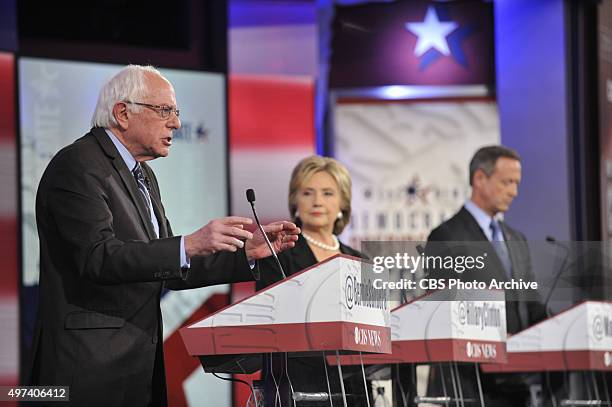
(446,327)
(330,306)
(462,326)
(577,339)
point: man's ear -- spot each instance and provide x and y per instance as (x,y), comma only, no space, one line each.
(120,113)
(479,177)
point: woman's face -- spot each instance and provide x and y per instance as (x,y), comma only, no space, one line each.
(318,202)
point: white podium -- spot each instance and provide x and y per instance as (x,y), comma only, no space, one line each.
(446,328)
(578,339)
(469,328)
(328,307)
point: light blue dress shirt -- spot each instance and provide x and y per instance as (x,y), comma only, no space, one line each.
(482,218)
(131,162)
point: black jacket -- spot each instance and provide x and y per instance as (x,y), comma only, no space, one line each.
(522,311)
(293,260)
(102,272)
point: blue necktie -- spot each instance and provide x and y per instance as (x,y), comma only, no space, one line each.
(497,240)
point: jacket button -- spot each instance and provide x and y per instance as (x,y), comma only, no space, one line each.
(154,339)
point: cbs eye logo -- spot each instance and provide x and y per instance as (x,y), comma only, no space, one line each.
(598,328)
(349,292)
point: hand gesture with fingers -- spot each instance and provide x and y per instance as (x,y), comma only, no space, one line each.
(282,235)
(226,234)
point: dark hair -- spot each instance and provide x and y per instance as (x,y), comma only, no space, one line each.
(486,157)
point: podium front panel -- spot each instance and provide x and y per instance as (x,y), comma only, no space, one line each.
(469,328)
(326,307)
(579,338)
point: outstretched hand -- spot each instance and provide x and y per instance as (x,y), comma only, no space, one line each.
(282,236)
(224,234)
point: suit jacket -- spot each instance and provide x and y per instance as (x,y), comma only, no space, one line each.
(102,271)
(293,260)
(462,227)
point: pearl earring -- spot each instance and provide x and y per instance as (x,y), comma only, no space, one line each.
(340,215)
(296,215)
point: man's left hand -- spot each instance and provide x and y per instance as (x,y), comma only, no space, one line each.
(282,235)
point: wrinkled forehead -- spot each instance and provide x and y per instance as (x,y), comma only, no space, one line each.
(160,87)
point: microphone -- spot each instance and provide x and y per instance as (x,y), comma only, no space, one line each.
(250,195)
(561,270)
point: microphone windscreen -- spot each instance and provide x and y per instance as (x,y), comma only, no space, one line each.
(250,195)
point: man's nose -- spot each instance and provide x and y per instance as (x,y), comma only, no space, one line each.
(174,122)
(513,191)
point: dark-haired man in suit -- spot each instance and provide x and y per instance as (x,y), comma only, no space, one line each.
(495,175)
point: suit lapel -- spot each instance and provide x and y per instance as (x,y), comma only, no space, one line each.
(471,226)
(303,257)
(127,178)
(159,214)
(158,208)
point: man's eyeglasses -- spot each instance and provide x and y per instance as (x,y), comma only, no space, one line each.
(163,111)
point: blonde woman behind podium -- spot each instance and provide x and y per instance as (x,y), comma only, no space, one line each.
(320,203)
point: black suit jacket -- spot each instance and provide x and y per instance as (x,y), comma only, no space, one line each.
(293,260)
(102,272)
(462,227)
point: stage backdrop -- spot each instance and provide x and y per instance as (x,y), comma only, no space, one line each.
(57,99)
(605,109)
(409,162)
(9,273)
(271,119)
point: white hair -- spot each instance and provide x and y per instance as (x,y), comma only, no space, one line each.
(129,84)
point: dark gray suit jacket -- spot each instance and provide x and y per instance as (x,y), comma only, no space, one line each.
(102,272)
(522,311)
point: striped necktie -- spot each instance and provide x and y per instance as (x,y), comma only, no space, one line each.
(142,186)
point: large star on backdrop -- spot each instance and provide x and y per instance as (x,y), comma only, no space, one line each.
(439,36)
(431,33)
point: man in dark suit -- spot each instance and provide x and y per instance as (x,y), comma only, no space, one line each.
(495,175)
(107,250)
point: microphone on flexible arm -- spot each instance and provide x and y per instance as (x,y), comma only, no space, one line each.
(561,270)
(250,195)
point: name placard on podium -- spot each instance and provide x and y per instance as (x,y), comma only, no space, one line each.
(579,338)
(470,327)
(330,306)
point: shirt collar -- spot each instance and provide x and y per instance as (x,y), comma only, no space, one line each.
(482,218)
(125,154)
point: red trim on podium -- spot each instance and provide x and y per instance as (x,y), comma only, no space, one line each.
(433,350)
(553,361)
(299,337)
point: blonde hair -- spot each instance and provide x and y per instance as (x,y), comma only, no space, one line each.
(312,165)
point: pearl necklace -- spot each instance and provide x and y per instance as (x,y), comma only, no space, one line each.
(324,246)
